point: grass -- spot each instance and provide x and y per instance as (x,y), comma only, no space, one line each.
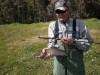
(19,44)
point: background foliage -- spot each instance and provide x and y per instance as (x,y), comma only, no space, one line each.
(32,11)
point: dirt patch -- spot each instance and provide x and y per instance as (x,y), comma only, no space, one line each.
(94,31)
(95,34)
(23,42)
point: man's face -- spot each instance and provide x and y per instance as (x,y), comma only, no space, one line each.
(62,15)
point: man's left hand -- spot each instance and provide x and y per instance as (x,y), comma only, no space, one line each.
(67,41)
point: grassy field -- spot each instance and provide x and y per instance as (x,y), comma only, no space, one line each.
(19,43)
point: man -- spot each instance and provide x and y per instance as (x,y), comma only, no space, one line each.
(73,63)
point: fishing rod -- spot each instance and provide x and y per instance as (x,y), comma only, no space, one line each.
(42,37)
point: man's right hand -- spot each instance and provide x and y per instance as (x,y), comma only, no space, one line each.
(44,54)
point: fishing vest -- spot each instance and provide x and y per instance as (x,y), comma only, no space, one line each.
(56,33)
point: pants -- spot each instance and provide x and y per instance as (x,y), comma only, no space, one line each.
(71,65)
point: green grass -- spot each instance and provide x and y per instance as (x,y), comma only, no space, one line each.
(19,43)
(92,23)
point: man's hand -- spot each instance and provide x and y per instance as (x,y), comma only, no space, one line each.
(44,54)
(67,41)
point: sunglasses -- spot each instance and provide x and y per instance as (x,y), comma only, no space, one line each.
(60,11)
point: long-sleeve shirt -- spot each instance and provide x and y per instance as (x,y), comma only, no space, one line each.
(83,38)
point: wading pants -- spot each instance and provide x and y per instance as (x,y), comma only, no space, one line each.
(70,65)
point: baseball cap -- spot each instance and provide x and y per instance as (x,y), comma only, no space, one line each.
(61,5)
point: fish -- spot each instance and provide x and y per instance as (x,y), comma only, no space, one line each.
(53,52)
(56,52)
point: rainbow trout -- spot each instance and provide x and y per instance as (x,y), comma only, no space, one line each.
(52,52)
(56,52)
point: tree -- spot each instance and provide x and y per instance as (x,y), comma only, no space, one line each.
(93,8)
(29,11)
(7,11)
